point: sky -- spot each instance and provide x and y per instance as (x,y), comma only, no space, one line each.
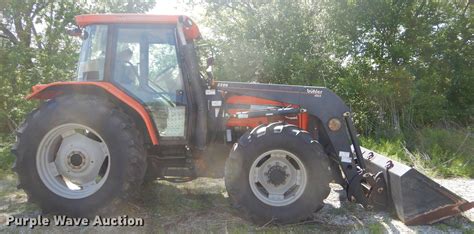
(178,7)
(168,7)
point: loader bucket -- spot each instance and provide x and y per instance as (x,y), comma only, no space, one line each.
(415,198)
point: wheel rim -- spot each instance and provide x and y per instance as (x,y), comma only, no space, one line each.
(277,178)
(73,161)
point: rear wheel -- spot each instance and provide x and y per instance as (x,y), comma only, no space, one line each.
(78,155)
(277,172)
(73,161)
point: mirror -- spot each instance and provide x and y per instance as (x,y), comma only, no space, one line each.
(206,53)
(76,32)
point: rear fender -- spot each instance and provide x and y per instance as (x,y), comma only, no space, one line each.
(48,91)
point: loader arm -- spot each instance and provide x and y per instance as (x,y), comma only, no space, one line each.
(325,105)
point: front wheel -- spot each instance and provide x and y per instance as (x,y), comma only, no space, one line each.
(277,173)
(77,155)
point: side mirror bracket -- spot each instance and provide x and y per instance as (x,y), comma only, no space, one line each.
(209,64)
(76,32)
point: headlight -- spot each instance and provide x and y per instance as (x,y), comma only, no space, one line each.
(334,124)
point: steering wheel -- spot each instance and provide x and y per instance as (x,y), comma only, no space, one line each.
(159,76)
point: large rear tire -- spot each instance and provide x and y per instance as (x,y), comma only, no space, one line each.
(79,155)
(277,173)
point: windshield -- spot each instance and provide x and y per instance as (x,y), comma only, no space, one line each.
(92,56)
(164,71)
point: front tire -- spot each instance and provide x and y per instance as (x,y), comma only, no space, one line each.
(79,155)
(277,173)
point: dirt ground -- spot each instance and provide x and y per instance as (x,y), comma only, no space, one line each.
(201,206)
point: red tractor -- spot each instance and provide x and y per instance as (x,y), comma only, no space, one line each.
(140,109)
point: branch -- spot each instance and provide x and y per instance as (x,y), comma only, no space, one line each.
(465,8)
(19,29)
(249,7)
(418,10)
(229,5)
(38,42)
(8,34)
(38,8)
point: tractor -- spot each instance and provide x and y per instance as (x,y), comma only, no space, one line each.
(141,108)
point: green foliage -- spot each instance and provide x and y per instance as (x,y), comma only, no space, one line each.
(269,41)
(376,228)
(399,65)
(6,158)
(452,149)
(411,54)
(392,147)
(436,151)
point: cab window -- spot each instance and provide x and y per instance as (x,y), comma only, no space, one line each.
(92,56)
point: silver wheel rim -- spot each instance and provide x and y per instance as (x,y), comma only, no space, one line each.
(73,161)
(277,178)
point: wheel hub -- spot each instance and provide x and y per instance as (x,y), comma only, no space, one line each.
(76,160)
(277,175)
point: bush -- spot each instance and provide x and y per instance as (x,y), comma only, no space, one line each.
(6,158)
(437,151)
(394,148)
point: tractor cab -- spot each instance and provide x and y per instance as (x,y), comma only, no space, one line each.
(141,55)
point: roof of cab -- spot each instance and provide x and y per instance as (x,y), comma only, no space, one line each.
(191,30)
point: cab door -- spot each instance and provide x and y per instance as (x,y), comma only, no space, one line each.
(146,66)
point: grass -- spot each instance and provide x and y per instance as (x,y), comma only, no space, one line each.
(436,151)
(376,228)
(449,153)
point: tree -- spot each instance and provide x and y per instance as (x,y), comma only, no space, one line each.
(416,52)
(398,63)
(269,41)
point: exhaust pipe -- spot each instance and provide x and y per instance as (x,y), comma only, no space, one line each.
(415,198)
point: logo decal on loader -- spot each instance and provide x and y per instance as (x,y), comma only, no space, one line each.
(316,92)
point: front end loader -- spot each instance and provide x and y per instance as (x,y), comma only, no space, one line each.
(140,109)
